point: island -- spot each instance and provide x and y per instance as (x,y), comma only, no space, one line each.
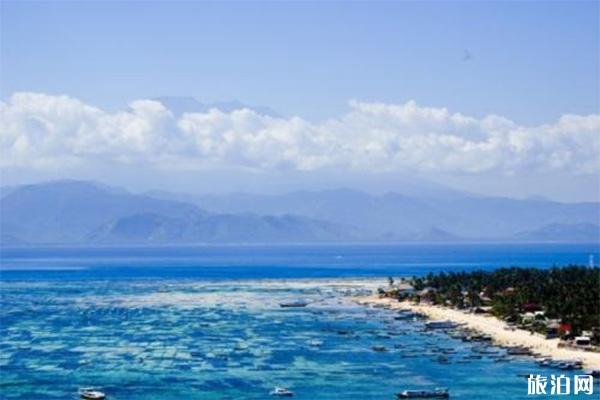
(553,313)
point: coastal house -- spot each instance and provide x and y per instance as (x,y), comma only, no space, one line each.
(484,298)
(508,291)
(531,307)
(535,320)
(527,318)
(583,341)
(565,329)
(552,329)
(427,291)
(511,319)
(427,294)
(595,334)
(406,290)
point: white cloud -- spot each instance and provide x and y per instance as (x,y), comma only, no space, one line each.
(40,131)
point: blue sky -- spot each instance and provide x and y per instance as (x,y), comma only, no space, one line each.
(530,61)
(500,98)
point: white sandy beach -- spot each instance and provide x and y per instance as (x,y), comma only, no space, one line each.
(493,327)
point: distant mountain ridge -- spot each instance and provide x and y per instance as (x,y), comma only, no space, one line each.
(79,212)
(75,212)
(563,233)
(396,215)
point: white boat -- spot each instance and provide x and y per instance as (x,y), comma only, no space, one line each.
(569,364)
(546,362)
(424,394)
(91,394)
(241,346)
(281,392)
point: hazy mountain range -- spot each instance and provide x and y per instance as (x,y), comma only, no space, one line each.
(78,212)
(396,215)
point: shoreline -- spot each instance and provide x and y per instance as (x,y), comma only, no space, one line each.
(492,326)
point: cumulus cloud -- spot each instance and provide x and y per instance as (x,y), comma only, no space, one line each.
(42,131)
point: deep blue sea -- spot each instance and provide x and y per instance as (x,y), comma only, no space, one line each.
(257,262)
(205,322)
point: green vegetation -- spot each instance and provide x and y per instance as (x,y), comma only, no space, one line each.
(532,298)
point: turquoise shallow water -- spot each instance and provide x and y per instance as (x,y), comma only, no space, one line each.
(145,339)
(205,323)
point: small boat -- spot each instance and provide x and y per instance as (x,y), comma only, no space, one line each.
(291,304)
(593,372)
(569,365)
(485,350)
(448,351)
(442,359)
(241,346)
(281,392)
(404,315)
(91,394)
(440,325)
(576,362)
(315,343)
(545,362)
(379,348)
(424,394)
(480,338)
(518,351)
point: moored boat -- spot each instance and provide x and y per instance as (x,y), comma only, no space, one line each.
(281,392)
(91,394)
(545,362)
(593,372)
(241,346)
(569,365)
(442,359)
(291,304)
(518,351)
(424,394)
(440,325)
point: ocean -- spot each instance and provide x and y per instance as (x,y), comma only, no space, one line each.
(206,323)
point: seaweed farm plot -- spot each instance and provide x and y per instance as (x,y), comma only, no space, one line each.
(228,340)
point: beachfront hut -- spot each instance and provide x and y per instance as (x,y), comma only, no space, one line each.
(531,307)
(511,319)
(406,290)
(595,335)
(552,329)
(527,318)
(484,298)
(426,294)
(565,329)
(508,291)
(583,341)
